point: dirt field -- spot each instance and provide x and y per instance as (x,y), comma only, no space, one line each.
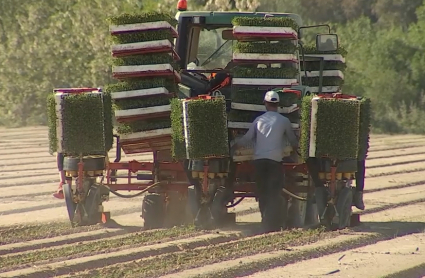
(37,241)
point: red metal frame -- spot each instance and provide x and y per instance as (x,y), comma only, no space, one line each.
(147,51)
(172,31)
(75,90)
(298,93)
(148,74)
(336,95)
(142,117)
(177,179)
(248,61)
(242,36)
(180,182)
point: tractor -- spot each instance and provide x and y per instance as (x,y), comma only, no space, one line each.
(202,191)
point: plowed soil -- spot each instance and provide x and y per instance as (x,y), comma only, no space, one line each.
(37,241)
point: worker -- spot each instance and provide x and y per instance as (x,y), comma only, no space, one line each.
(328,45)
(59,192)
(360,176)
(270,134)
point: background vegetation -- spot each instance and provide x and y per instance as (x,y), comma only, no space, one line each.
(55,43)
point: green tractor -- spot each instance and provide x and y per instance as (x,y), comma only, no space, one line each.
(235,56)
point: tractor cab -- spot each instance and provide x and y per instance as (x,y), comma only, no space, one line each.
(206,43)
(205,46)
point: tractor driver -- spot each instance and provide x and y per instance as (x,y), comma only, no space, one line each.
(59,192)
(271,131)
(223,78)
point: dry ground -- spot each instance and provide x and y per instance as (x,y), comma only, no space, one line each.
(36,240)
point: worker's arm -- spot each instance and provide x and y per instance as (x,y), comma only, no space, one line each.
(290,134)
(248,137)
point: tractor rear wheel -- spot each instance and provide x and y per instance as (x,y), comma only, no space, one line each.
(153,211)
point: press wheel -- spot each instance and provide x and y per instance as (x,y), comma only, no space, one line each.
(71,206)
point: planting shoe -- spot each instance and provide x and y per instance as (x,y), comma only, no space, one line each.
(321,195)
(358,200)
(59,193)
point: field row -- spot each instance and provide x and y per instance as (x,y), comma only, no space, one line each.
(389,241)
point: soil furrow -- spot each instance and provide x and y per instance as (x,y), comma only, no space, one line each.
(19,133)
(155,251)
(373,260)
(389,137)
(397,141)
(308,253)
(391,206)
(97,246)
(394,162)
(410,217)
(395,170)
(394,187)
(52,179)
(31,151)
(152,267)
(21,174)
(398,147)
(46,166)
(393,154)
(399,186)
(19,233)
(32,245)
(230,251)
(385,182)
(377,174)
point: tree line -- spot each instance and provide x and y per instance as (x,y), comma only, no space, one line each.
(53,43)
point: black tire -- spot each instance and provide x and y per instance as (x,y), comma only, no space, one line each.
(343,206)
(193,202)
(71,206)
(312,215)
(153,211)
(91,163)
(91,205)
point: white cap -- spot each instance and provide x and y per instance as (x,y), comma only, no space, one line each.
(271,96)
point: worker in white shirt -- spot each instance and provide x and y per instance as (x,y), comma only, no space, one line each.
(270,132)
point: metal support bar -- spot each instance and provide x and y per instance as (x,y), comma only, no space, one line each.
(118,149)
(80,173)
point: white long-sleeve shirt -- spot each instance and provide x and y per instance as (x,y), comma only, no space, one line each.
(271,133)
